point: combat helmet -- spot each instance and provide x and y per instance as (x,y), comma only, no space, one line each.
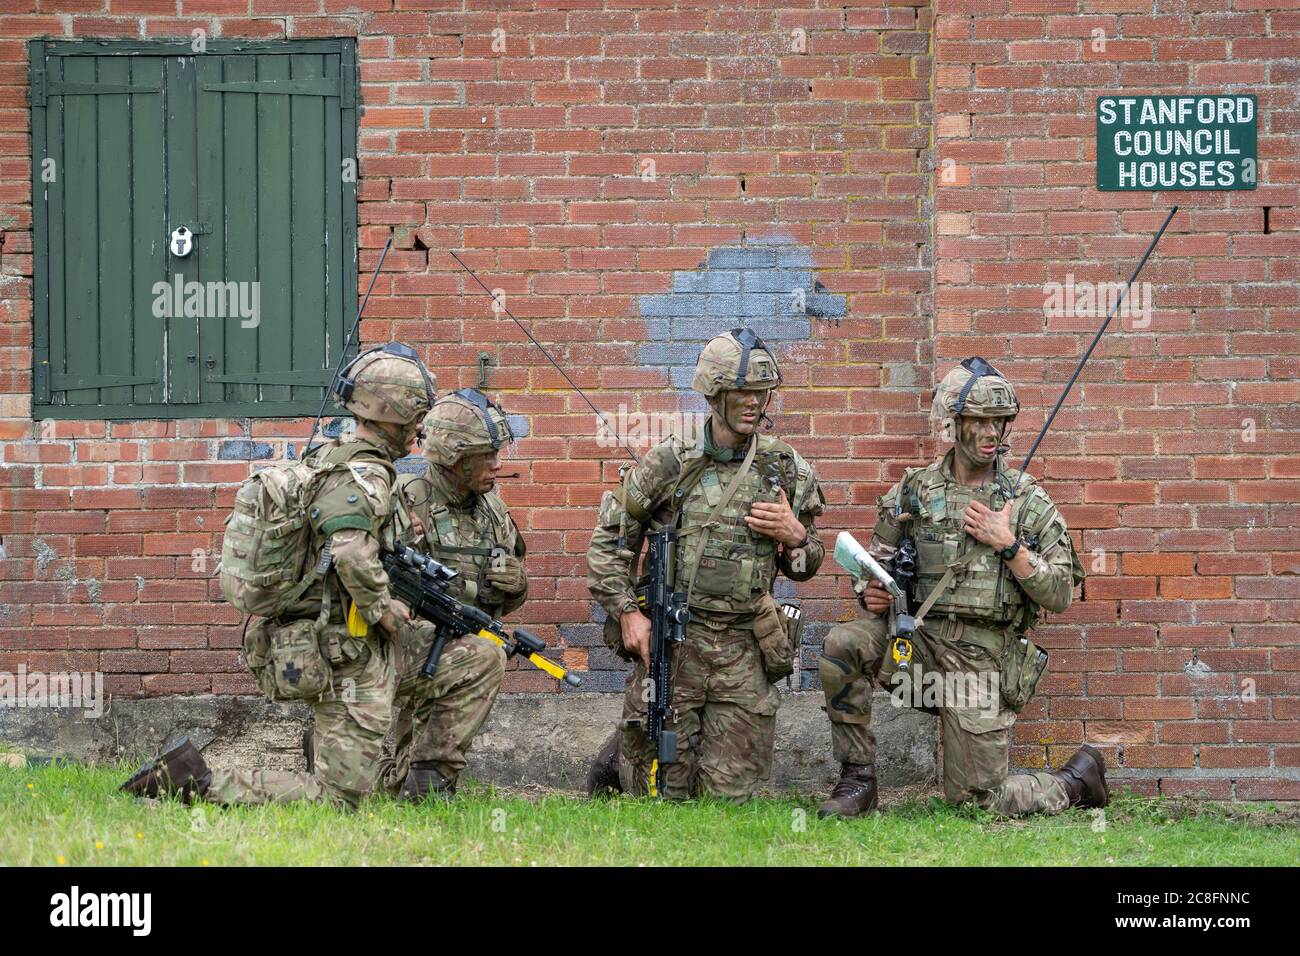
(973,388)
(738,359)
(387,383)
(463,423)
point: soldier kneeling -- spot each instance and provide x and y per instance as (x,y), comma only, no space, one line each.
(329,641)
(458,518)
(991,550)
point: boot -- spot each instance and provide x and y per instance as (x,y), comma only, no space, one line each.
(422,780)
(1084,777)
(854,793)
(179,770)
(309,747)
(602,778)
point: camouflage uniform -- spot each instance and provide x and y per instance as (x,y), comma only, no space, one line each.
(723,704)
(436,720)
(967,628)
(350,512)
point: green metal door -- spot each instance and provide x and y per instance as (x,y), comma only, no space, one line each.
(247,148)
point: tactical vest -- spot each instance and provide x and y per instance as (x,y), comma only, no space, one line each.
(983,589)
(735,564)
(461,538)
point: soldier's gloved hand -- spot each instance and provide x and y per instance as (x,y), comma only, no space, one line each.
(872,596)
(505,572)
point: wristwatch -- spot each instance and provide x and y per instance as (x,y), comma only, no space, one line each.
(1009,552)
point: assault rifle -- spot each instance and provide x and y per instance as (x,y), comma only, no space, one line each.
(422,584)
(669,616)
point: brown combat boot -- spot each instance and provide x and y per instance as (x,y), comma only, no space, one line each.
(423,780)
(854,793)
(1084,777)
(602,778)
(179,770)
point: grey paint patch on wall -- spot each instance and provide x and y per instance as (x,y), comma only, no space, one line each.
(242,449)
(44,554)
(771,289)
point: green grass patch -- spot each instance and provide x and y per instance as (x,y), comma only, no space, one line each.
(73,815)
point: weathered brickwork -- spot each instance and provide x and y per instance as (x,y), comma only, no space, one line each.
(880,190)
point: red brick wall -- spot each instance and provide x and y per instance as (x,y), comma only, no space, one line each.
(1189,528)
(529,161)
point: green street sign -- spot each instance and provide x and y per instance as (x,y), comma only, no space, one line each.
(1176,142)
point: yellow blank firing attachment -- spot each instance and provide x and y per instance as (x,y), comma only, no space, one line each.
(654,777)
(902,653)
(538,661)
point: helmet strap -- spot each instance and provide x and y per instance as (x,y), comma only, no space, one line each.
(978,369)
(748,340)
(763,418)
(483,404)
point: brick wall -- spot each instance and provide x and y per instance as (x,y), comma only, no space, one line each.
(638,175)
(1177,457)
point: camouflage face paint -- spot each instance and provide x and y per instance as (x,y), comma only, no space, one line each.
(978,439)
(741,409)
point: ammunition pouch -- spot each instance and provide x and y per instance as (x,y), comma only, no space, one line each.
(1022,665)
(774,639)
(299,670)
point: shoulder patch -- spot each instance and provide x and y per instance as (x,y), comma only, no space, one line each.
(375,482)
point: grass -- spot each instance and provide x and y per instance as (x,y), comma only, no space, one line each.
(73,815)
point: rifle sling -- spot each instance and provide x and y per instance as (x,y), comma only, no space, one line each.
(975,552)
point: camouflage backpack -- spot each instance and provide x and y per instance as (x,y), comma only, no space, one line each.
(267,543)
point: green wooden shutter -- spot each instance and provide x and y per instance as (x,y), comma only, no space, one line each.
(245,145)
(97,203)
